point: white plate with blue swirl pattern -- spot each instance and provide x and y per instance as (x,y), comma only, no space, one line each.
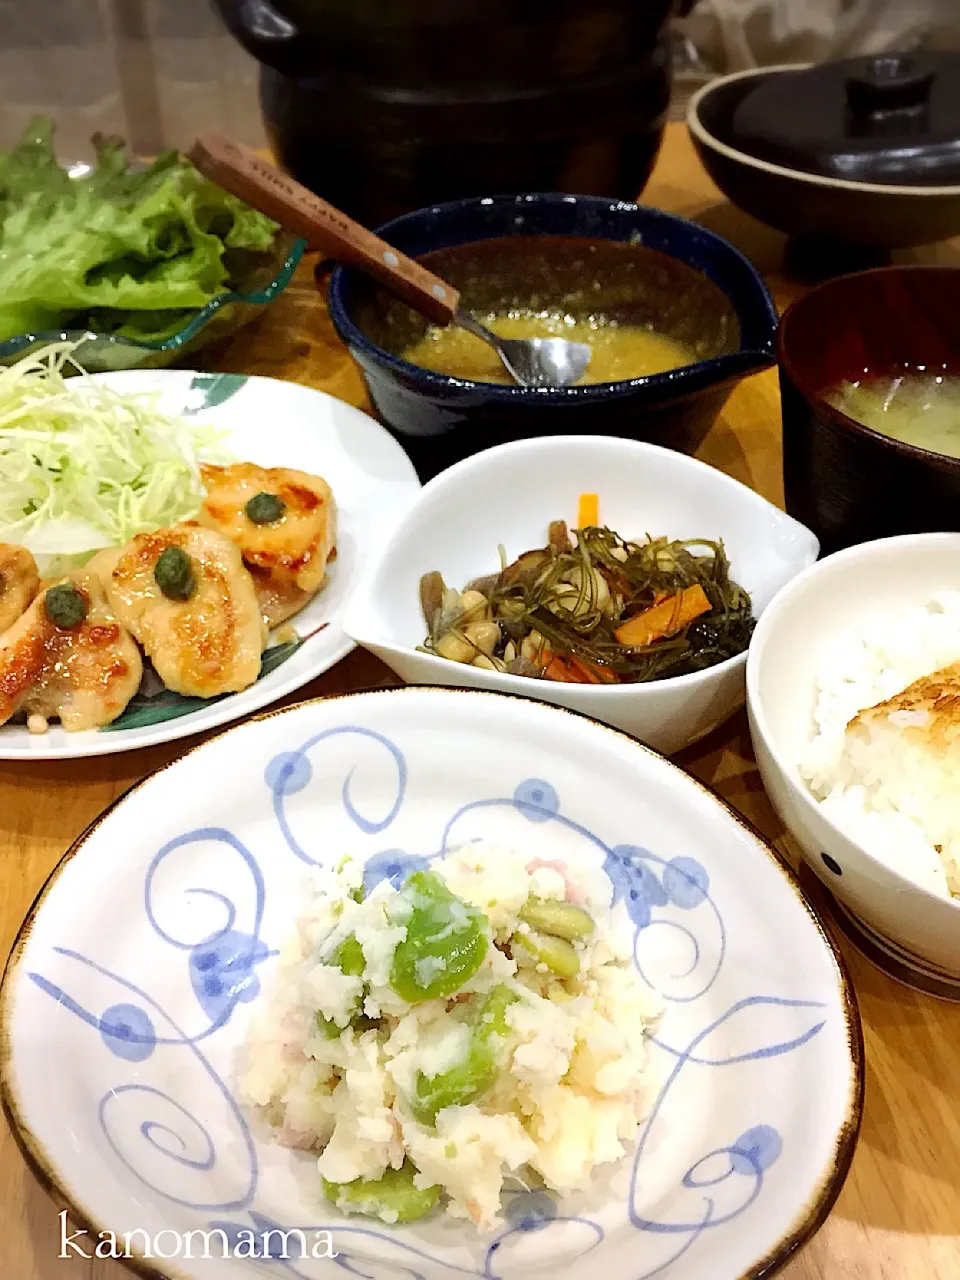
(275,424)
(131,986)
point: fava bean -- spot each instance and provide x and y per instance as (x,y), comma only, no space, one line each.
(445,945)
(556,953)
(393,1197)
(478,1072)
(349,959)
(561,919)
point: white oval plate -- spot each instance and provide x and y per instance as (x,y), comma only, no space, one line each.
(276,424)
(164,920)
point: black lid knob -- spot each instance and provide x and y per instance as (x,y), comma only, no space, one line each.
(891,119)
(889,83)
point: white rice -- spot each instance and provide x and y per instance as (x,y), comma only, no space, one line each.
(574,1085)
(885,783)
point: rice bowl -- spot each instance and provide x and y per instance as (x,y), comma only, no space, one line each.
(800,642)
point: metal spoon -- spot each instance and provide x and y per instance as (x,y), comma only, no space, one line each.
(532,362)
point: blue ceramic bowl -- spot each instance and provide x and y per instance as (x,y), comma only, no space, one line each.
(721,307)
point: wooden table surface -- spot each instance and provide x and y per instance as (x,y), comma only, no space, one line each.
(898,1217)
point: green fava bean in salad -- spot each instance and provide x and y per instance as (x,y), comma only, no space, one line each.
(477,1073)
(446,941)
(392,1198)
(348,958)
(559,919)
(559,955)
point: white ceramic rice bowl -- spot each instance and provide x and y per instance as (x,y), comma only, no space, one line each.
(838,595)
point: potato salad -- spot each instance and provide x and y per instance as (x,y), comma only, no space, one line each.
(477,1020)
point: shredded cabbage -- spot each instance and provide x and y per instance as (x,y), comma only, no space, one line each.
(83,466)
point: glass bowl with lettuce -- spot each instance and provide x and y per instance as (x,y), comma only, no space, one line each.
(142,264)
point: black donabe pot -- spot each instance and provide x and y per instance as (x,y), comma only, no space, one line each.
(382,106)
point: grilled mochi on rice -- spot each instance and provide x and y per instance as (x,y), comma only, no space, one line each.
(901,758)
(68,657)
(285,524)
(187,598)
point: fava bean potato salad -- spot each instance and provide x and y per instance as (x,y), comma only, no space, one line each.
(482,1022)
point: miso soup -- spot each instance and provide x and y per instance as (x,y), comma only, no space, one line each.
(918,408)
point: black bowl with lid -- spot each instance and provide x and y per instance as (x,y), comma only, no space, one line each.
(864,151)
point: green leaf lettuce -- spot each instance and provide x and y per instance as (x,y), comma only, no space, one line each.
(117,240)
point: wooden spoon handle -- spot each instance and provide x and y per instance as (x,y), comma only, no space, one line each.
(242,172)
